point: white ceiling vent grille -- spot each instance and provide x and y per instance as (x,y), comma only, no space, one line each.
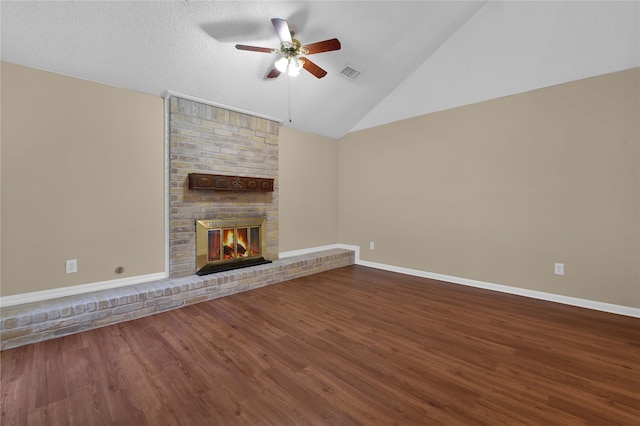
(350,72)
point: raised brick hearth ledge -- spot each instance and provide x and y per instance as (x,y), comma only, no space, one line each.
(38,321)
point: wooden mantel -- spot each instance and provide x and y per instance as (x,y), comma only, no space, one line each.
(229,183)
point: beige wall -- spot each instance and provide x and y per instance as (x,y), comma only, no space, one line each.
(308,190)
(501,190)
(82,178)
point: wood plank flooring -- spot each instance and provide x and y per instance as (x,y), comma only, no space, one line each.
(350,346)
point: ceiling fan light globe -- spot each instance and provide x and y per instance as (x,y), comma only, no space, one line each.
(293,71)
(281,64)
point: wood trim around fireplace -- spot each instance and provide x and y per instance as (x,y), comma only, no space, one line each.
(229,183)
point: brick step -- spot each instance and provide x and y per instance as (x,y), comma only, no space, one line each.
(38,321)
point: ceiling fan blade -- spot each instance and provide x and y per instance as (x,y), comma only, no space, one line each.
(322,46)
(313,68)
(255,48)
(273,73)
(282,29)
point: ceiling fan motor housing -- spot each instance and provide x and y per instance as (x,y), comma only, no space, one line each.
(292,49)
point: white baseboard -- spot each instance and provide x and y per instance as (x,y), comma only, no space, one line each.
(566,300)
(37,296)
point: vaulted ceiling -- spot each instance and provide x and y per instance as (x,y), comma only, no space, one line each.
(415,57)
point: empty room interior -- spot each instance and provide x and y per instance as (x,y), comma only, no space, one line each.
(320,213)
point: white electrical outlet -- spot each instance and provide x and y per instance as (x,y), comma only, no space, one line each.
(372,245)
(72,266)
(558,268)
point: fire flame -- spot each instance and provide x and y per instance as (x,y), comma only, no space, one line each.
(228,241)
(242,243)
(228,237)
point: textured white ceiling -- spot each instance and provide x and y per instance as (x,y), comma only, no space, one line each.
(416,56)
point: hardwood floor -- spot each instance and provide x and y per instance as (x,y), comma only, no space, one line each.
(350,346)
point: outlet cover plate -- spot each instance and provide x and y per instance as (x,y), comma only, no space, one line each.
(71,266)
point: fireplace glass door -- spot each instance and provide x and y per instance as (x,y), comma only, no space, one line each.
(221,243)
(233,243)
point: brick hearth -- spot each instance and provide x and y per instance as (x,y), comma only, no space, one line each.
(38,321)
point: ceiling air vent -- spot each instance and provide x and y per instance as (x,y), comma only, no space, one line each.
(350,72)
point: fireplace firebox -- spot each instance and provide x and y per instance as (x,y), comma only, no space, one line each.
(225,244)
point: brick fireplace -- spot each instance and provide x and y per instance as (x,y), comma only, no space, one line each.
(208,139)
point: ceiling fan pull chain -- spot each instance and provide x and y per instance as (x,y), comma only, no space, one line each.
(289,95)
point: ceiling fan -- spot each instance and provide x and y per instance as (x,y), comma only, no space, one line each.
(291,49)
